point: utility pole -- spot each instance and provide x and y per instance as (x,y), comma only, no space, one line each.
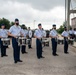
(65,14)
(68,13)
(65,10)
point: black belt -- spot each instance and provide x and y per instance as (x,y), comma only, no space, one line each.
(39,39)
(65,38)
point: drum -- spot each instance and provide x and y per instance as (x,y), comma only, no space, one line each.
(5,41)
(60,41)
(71,41)
(28,41)
(45,42)
(21,41)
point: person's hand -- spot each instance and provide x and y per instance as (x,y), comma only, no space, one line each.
(22,35)
(67,37)
(58,36)
(44,37)
(39,38)
(55,36)
(0,37)
(15,36)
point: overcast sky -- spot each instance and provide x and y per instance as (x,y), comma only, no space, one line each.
(47,12)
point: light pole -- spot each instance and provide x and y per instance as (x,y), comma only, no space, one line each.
(65,14)
(34,23)
(68,13)
(65,10)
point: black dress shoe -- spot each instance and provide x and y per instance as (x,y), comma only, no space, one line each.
(6,55)
(53,54)
(42,57)
(2,56)
(20,61)
(38,58)
(15,62)
(26,52)
(30,48)
(22,53)
(66,52)
(56,54)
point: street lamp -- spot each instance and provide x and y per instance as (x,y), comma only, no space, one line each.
(34,23)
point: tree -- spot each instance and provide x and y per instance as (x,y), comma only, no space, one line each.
(65,25)
(61,29)
(12,23)
(6,22)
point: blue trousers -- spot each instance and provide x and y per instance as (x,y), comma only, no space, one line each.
(16,49)
(65,46)
(29,46)
(38,48)
(3,49)
(54,46)
(23,49)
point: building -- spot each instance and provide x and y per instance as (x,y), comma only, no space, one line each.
(73,22)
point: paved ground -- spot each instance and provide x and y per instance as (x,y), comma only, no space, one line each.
(50,65)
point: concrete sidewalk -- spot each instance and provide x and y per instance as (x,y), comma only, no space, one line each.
(64,64)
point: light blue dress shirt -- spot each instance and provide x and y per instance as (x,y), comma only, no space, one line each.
(44,33)
(53,33)
(24,32)
(65,33)
(39,33)
(3,33)
(71,32)
(15,30)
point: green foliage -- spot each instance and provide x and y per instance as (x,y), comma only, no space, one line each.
(64,24)
(6,22)
(12,23)
(61,29)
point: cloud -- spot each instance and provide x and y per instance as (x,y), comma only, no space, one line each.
(40,4)
(46,12)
